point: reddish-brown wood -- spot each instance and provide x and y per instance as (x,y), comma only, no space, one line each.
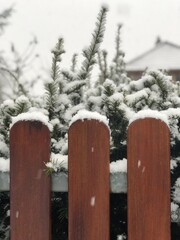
(148,180)
(88,181)
(29,184)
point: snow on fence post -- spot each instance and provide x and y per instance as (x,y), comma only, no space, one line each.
(29,184)
(148,180)
(89,189)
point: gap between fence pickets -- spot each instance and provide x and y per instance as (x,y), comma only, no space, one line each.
(118,182)
(118,179)
(60,180)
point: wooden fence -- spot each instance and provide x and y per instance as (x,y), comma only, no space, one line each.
(148,181)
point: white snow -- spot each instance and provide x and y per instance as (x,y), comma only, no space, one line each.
(139,85)
(4,148)
(55,122)
(32,116)
(7,103)
(70,87)
(177,184)
(63,99)
(72,111)
(118,166)
(116,97)
(149,114)
(176,193)
(92,202)
(49,81)
(139,164)
(131,98)
(120,237)
(96,100)
(109,82)
(21,99)
(171,112)
(4,165)
(174,207)
(173,164)
(57,162)
(87,115)
(128,111)
(17,214)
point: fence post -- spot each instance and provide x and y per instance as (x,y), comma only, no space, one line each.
(88,166)
(29,185)
(148,180)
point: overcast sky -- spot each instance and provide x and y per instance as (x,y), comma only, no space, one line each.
(143,21)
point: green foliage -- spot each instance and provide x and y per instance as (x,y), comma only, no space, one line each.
(63,214)
(109,88)
(103,66)
(52,86)
(68,75)
(116,71)
(4,216)
(13,72)
(74,62)
(4,18)
(22,105)
(113,95)
(90,52)
(51,97)
(59,215)
(154,90)
(57,52)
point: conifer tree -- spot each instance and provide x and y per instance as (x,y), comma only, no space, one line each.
(113,95)
(52,86)
(154,90)
(118,68)
(90,52)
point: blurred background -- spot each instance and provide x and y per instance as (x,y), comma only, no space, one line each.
(44,21)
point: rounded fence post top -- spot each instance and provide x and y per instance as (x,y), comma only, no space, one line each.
(83,115)
(32,117)
(149,114)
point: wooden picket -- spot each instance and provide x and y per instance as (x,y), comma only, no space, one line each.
(29,185)
(88,186)
(88,181)
(148,180)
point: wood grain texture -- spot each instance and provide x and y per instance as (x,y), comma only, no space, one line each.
(88,166)
(148,180)
(29,184)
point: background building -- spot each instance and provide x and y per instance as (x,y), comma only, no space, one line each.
(164,55)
